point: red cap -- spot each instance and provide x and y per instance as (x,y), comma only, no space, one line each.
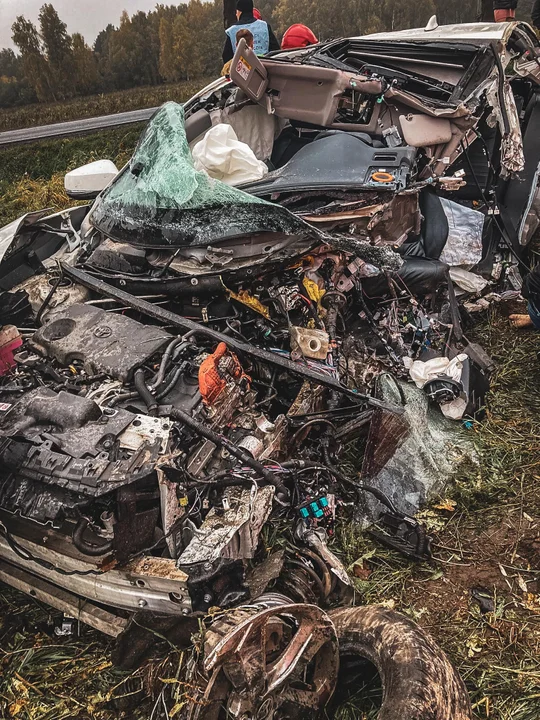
(256,14)
(298,36)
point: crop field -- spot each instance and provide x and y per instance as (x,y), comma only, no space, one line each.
(479,596)
(32,176)
(95,105)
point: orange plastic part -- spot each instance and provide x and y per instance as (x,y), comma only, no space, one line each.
(382,177)
(216,371)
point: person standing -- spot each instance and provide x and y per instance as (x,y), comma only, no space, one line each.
(248,37)
(531,292)
(504,10)
(535,14)
(264,39)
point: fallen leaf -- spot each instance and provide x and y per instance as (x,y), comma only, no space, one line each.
(15,708)
(360,571)
(522,584)
(102,666)
(532,602)
(474,646)
(176,709)
(449,505)
(19,687)
(432,520)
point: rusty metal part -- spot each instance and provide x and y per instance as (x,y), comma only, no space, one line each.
(231,531)
(317,540)
(268,662)
(68,603)
(396,220)
(314,574)
(259,577)
(345,212)
(152,583)
(387,222)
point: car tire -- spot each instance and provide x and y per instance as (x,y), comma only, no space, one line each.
(418,681)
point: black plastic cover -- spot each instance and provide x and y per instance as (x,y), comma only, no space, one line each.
(102,341)
(339,160)
(419,275)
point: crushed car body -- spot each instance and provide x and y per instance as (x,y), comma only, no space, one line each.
(189,364)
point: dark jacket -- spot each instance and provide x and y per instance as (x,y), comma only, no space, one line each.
(247,19)
(535,14)
(505,4)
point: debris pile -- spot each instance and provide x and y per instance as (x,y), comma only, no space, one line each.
(187,365)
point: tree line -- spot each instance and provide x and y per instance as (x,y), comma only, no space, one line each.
(177,42)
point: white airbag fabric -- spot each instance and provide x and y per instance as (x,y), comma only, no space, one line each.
(440,367)
(468,281)
(422,372)
(223,157)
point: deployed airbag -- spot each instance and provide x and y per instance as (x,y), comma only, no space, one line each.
(223,157)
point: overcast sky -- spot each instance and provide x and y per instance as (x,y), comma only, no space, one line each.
(85,16)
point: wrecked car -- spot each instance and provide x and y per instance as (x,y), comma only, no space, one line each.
(263,332)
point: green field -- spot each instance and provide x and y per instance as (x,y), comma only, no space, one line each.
(95,105)
(32,175)
(487,535)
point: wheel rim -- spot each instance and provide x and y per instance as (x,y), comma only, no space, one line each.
(279,662)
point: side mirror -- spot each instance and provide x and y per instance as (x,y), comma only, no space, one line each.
(86,182)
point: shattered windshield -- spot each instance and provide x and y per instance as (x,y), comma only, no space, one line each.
(160,199)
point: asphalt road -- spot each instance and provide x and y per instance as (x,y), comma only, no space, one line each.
(74,127)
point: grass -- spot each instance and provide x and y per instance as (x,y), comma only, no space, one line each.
(95,105)
(32,177)
(49,677)
(487,539)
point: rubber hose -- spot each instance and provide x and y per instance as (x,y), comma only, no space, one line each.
(164,362)
(170,384)
(45,303)
(104,547)
(234,450)
(144,393)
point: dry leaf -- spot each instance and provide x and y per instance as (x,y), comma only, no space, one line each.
(522,584)
(176,709)
(102,666)
(15,708)
(19,687)
(446,504)
(360,571)
(532,602)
